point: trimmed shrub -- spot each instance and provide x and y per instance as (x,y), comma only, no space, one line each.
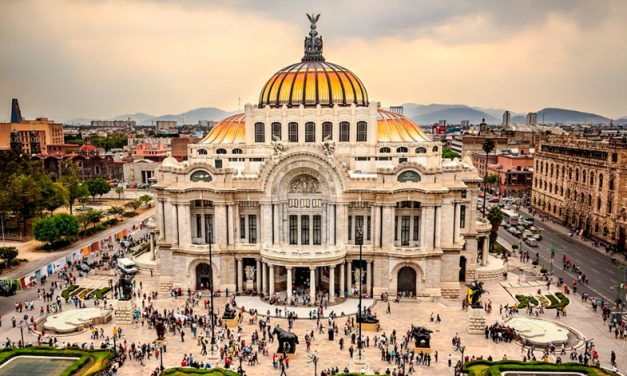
(66,293)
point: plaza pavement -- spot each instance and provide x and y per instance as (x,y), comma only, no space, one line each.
(403,315)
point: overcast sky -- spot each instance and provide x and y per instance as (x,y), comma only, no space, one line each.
(102,58)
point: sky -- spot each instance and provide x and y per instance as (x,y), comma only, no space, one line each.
(97,59)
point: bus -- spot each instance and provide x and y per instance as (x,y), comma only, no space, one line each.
(510,217)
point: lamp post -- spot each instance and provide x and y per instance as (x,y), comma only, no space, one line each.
(313,358)
(213,337)
(359,238)
(115,347)
(22,333)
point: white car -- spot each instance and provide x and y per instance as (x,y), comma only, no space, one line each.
(531,242)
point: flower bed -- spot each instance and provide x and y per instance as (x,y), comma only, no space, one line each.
(89,362)
(485,367)
(66,293)
(98,293)
(84,293)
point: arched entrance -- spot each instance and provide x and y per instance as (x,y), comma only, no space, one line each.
(406,284)
(203,276)
(462,269)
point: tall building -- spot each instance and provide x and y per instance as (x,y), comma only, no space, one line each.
(532,118)
(506,118)
(287,190)
(29,136)
(164,125)
(583,184)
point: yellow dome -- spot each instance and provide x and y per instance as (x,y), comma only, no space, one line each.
(313,82)
(393,127)
(230,130)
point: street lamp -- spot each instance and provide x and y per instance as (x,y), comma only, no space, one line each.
(22,333)
(359,239)
(313,358)
(213,338)
(115,347)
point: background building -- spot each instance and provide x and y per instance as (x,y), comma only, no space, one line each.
(29,136)
(164,125)
(139,172)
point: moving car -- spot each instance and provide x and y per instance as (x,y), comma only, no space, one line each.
(7,288)
(531,242)
(127,266)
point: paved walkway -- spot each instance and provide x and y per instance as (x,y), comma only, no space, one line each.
(348,307)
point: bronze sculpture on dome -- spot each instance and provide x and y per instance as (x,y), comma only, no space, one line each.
(313,42)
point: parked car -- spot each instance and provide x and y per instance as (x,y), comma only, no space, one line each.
(531,242)
(514,231)
(7,289)
(84,267)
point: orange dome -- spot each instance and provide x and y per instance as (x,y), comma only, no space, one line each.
(230,130)
(313,82)
(393,127)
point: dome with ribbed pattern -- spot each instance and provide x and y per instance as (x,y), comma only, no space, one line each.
(312,83)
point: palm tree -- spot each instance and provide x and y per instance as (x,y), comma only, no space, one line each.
(495,217)
(488,147)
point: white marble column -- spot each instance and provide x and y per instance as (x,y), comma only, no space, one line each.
(264,277)
(438,213)
(428,223)
(184,225)
(342,224)
(258,275)
(332,284)
(271,281)
(235,220)
(342,280)
(289,282)
(332,234)
(161,214)
(266,224)
(277,224)
(230,232)
(312,284)
(349,277)
(240,276)
(376,213)
(484,251)
(388,223)
(368,277)
(219,224)
(152,245)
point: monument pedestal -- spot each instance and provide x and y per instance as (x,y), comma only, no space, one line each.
(124,312)
(370,327)
(249,285)
(424,350)
(230,323)
(476,320)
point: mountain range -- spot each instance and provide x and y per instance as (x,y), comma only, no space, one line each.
(420,113)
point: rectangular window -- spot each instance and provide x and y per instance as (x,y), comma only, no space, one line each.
(252,229)
(327,131)
(208,228)
(396,228)
(292,132)
(260,132)
(310,132)
(462,216)
(345,129)
(198,226)
(350,227)
(304,229)
(276,131)
(293,229)
(362,131)
(242,227)
(416,228)
(359,226)
(317,229)
(218,163)
(368,228)
(405,230)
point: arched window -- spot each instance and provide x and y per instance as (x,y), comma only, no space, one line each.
(384,150)
(412,176)
(292,132)
(221,151)
(611,185)
(345,130)
(600,181)
(327,131)
(435,149)
(401,149)
(201,151)
(237,151)
(276,131)
(577,175)
(362,131)
(596,227)
(592,178)
(200,175)
(310,132)
(599,203)
(421,150)
(589,200)
(260,132)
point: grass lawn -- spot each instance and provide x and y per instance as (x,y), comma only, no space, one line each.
(89,362)
(487,368)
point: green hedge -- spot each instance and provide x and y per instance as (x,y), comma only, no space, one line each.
(198,371)
(478,367)
(101,358)
(564,301)
(533,300)
(99,293)
(66,293)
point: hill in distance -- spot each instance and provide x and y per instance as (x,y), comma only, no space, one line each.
(188,117)
(565,116)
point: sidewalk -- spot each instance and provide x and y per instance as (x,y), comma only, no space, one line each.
(566,232)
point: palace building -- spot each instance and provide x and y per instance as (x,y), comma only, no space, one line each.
(284,190)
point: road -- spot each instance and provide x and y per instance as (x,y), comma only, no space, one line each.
(7,304)
(597,266)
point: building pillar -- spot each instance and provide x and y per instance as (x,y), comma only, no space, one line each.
(230,232)
(342,280)
(266,224)
(184,225)
(312,284)
(264,278)
(258,275)
(388,223)
(349,277)
(235,220)
(152,245)
(219,224)
(484,252)
(332,284)
(289,282)
(376,218)
(341,224)
(271,281)
(277,224)
(368,277)
(161,218)
(240,276)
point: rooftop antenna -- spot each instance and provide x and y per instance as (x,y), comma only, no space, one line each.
(239,104)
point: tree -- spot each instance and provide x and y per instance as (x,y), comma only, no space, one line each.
(488,147)
(53,194)
(97,187)
(60,226)
(449,154)
(490,180)
(495,217)
(88,217)
(117,211)
(72,182)
(134,205)
(119,191)
(23,197)
(7,254)
(145,199)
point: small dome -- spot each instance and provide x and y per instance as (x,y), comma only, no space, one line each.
(87,148)
(312,83)
(393,127)
(169,161)
(230,130)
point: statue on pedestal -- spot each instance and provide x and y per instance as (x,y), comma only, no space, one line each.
(229,313)
(287,341)
(421,336)
(125,284)
(475,290)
